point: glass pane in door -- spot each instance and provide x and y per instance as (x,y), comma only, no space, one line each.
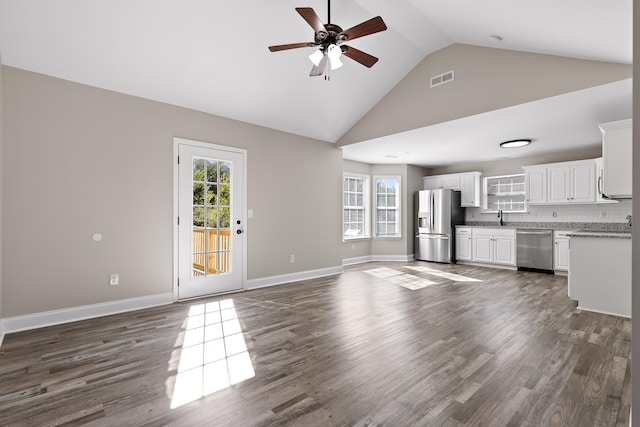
(211,228)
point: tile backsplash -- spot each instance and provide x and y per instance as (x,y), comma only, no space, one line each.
(605,213)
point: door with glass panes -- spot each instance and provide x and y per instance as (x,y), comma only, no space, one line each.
(210,229)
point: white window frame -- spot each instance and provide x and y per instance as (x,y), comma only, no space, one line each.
(397,207)
(515,192)
(366,205)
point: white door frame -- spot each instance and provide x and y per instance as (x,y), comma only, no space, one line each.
(176,142)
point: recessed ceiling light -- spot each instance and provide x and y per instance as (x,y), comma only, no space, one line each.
(515,143)
(496,38)
(391,156)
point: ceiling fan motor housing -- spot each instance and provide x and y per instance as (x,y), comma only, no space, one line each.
(332,37)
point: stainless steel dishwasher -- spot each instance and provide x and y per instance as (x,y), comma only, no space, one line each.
(534,249)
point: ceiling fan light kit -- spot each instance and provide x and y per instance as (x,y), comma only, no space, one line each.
(329,38)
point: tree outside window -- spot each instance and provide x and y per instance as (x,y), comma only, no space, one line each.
(387,206)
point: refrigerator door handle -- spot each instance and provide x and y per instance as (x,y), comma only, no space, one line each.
(433,223)
(434,236)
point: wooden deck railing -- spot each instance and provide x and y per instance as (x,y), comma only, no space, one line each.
(207,245)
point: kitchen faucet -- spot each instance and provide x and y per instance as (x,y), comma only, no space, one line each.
(500,216)
(629,220)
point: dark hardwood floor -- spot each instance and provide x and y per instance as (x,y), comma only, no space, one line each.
(467,346)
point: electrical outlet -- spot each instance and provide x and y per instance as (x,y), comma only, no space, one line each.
(292,259)
(555,214)
(353,246)
(603,214)
(114,279)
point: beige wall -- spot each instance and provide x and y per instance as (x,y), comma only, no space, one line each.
(80,160)
(486,79)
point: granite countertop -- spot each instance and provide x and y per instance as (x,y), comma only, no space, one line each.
(618,230)
(600,234)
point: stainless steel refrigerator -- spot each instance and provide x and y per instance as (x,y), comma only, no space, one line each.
(438,212)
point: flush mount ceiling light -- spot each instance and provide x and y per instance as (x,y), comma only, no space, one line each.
(515,143)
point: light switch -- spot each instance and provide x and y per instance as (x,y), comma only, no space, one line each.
(250,213)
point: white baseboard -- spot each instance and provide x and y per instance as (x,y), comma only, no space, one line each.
(73,314)
(401,258)
(372,258)
(356,260)
(480,264)
(292,277)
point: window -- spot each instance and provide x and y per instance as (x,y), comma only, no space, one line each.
(504,193)
(387,206)
(355,206)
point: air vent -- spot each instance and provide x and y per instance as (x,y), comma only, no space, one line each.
(442,79)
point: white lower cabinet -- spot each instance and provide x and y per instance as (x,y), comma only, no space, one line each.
(560,251)
(463,244)
(494,246)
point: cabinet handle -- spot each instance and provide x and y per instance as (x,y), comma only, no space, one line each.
(599,184)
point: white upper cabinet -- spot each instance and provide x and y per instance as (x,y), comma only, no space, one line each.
(561,183)
(468,183)
(572,183)
(535,179)
(617,158)
(470,189)
(442,181)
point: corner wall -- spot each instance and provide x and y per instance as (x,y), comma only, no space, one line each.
(393,249)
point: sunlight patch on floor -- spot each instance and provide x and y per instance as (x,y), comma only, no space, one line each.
(443,274)
(214,354)
(396,277)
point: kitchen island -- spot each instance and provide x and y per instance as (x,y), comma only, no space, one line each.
(600,271)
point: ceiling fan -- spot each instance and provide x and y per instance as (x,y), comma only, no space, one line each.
(329,38)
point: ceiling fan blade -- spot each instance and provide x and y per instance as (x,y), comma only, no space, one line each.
(359,56)
(290,46)
(318,70)
(312,19)
(373,25)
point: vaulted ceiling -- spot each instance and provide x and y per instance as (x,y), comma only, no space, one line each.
(212,56)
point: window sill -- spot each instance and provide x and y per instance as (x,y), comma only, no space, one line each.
(388,238)
(351,239)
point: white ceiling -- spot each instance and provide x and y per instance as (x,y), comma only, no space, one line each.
(212,56)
